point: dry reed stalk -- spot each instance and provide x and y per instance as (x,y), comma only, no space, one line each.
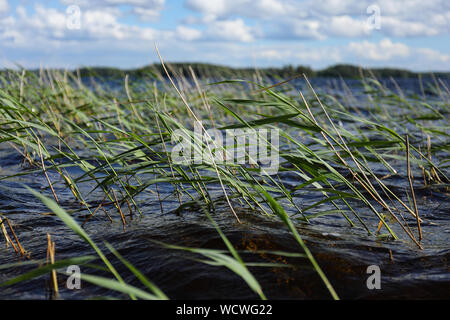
(380,224)
(122,216)
(5,234)
(22,79)
(25,154)
(21,250)
(51,255)
(159,198)
(72,188)
(106,213)
(45,172)
(129,209)
(434,174)
(410,179)
(93,212)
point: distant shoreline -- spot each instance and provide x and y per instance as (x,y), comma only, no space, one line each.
(205,70)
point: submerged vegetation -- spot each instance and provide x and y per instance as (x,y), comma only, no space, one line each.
(108,149)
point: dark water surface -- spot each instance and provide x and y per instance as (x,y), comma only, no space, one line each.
(342,251)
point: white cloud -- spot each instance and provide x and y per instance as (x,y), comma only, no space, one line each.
(216,29)
(336,7)
(229,30)
(384,53)
(397,28)
(8,32)
(412,8)
(326,18)
(246,8)
(147,10)
(147,14)
(47,28)
(307,29)
(346,26)
(299,54)
(188,34)
(4,7)
(384,50)
(211,7)
(432,55)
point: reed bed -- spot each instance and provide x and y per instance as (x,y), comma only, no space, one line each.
(340,147)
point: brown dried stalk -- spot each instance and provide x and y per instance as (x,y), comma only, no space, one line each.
(22,251)
(51,255)
(410,179)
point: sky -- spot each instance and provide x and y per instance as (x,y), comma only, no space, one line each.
(412,34)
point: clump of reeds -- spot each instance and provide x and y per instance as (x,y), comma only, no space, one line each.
(121,141)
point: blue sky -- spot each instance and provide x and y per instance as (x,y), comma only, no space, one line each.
(121,33)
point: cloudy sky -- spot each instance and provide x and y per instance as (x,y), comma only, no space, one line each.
(412,34)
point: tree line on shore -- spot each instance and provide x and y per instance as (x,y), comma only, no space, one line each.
(205,70)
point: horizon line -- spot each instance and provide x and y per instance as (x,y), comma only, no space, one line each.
(120,68)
